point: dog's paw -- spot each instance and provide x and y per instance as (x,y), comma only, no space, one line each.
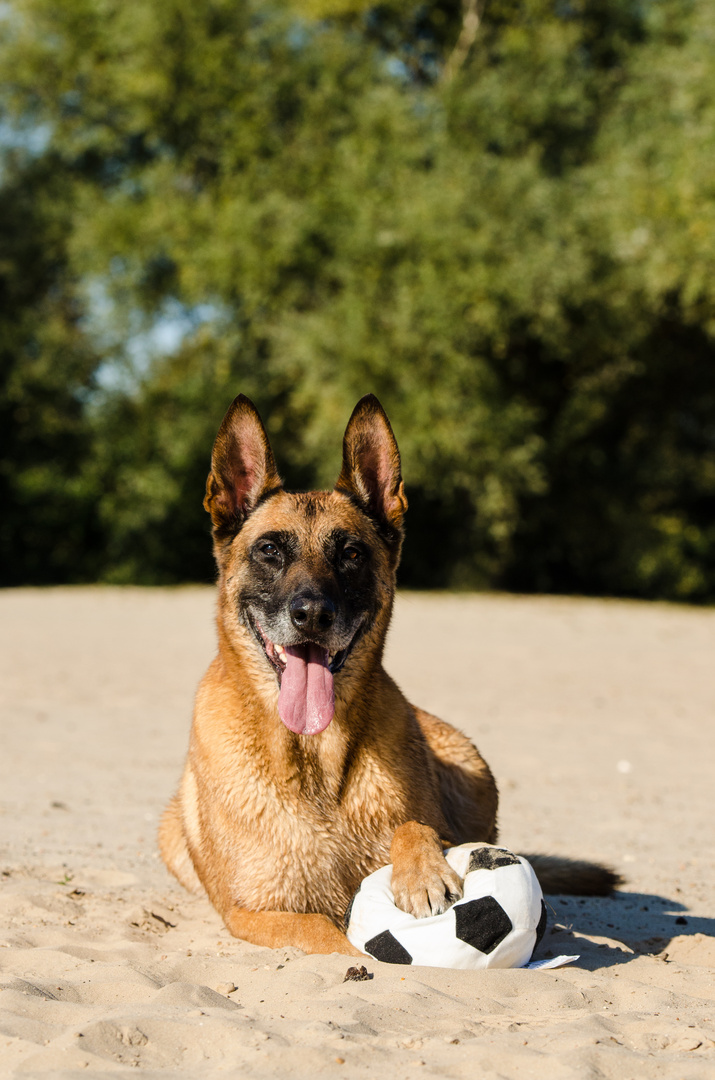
(425,884)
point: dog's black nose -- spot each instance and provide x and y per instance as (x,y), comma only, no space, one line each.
(311,614)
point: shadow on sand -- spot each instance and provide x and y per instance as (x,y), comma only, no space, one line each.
(644,923)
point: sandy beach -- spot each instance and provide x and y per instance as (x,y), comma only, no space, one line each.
(597,719)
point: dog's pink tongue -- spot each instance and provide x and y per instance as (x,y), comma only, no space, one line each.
(306,702)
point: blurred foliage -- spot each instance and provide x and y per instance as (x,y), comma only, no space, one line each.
(47,527)
(295,201)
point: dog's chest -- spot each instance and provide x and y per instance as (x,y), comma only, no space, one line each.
(298,850)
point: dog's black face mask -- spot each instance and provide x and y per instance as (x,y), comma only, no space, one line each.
(308,592)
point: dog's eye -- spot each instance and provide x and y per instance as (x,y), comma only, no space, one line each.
(351,554)
(269,550)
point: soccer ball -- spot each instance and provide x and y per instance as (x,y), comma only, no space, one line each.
(497,923)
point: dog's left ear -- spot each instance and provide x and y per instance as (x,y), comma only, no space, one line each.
(371,470)
(242,467)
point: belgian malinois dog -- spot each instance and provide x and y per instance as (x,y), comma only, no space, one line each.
(307,767)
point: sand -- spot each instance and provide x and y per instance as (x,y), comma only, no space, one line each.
(597,718)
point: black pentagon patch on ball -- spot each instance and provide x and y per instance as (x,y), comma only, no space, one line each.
(388,949)
(541,925)
(540,929)
(489,858)
(482,923)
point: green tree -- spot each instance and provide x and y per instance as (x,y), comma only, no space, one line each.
(496,217)
(48,530)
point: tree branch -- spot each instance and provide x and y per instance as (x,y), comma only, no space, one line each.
(471,19)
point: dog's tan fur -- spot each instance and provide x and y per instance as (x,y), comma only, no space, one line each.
(279,828)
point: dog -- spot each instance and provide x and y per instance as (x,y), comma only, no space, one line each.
(307,767)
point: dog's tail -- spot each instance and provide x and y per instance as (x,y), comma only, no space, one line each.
(573,876)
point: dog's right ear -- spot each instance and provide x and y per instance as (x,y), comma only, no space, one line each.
(242,468)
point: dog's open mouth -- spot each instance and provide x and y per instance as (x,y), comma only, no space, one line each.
(306,700)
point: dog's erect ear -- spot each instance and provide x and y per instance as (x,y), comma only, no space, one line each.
(242,467)
(371,463)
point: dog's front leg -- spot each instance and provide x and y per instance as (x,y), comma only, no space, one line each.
(277,929)
(423,882)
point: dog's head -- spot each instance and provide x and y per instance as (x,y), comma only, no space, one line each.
(307,579)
